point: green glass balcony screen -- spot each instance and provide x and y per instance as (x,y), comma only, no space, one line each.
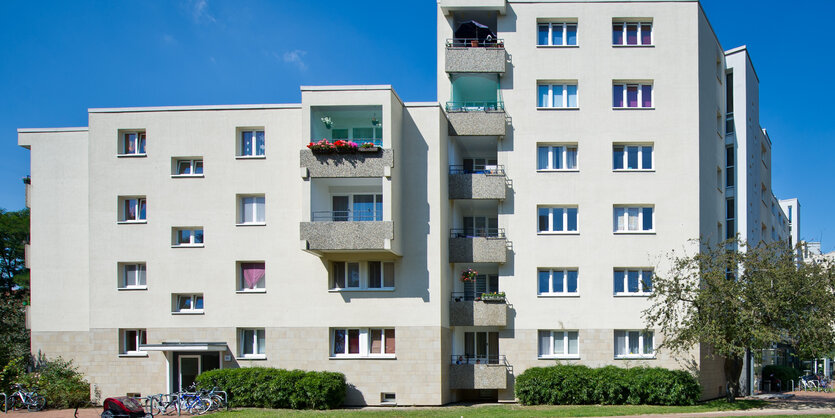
(475,92)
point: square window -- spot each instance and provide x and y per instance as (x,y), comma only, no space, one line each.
(251,142)
(131,340)
(251,210)
(634,219)
(557,34)
(557,95)
(559,344)
(559,219)
(632,95)
(252,343)
(132,276)
(558,282)
(556,157)
(633,281)
(634,344)
(251,276)
(631,33)
(634,157)
(132,143)
(132,209)
(187,237)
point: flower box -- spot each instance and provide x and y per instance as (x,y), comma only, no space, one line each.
(493,297)
(368,149)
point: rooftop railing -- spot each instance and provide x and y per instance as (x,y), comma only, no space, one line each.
(474,43)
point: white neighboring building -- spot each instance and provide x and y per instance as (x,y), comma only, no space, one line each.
(561,163)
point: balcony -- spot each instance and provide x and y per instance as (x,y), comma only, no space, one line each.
(470,55)
(488,182)
(476,118)
(488,372)
(337,165)
(486,310)
(486,245)
(340,231)
(26,257)
(28,182)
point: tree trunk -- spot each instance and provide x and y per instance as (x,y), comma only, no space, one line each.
(733,369)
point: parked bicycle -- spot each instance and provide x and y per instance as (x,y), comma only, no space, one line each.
(163,404)
(22,398)
(195,402)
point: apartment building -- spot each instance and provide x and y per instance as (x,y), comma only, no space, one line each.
(515,222)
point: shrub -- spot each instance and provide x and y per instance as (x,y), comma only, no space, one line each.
(262,387)
(574,384)
(786,374)
(59,382)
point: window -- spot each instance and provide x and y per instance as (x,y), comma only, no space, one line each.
(631,33)
(636,282)
(557,34)
(561,95)
(251,210)
(556,157)
(188,303)
(132,276)
(730,219)
(356,207)
(251,276)
(188,237)
(132,143)
(480,226)
(557,282)
(359,135)
(730,159)
(629,95)
(251,143)
(632,157)
(130,341)
(634,344)
(634,219)
(559,344)
(557,219)
(370,275)
(362,342)
(132,209)
(251,343)
(188,168)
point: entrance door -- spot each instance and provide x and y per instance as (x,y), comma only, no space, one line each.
(189,369)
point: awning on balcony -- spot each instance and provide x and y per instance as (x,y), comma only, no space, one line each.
(474,30)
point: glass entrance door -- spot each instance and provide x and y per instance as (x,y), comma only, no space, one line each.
(189,369)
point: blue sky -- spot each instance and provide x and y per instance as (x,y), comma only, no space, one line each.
(59,58)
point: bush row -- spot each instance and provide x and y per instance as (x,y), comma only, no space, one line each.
(263,387)
(610,385)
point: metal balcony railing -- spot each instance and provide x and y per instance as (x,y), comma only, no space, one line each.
(494,170)
(346,216)
(475,106)
(378,142)
(476,296)
(478,359)
(477,233)
(474,43)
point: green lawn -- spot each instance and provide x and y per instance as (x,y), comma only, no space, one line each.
(504,410)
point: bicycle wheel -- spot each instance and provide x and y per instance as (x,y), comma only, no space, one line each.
(201,406)
(37,403)
(217,402)
(14,403)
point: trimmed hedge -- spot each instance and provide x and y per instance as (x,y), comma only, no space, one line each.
(610,385)
(786,374)
(262,387)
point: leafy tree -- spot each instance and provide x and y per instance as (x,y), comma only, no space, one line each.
(742,300)
(14,232)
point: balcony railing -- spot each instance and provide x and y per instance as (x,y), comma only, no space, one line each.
(474,43)
(479,296)
(346,216)
(475,106)
(378,142)
(495,170)
(497,233)
(459,359)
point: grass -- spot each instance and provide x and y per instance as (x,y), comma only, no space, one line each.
(504,410)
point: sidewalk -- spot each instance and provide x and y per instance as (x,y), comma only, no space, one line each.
(802,403)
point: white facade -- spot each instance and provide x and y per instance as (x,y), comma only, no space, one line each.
(533,169)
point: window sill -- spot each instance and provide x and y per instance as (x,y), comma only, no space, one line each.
(187,246)
(359,357)
(187,313)
(636,357)
(251,291)
(132,222)
(186,176)
(252,357)
(633,46)
(633,170)
(559,233)
(134,354)
(132,288)
(557,46)
(251,224)
(382,289)
(632,295)
(560,170)
(558,108)
(131,155)
(250,157)
(633,108)
(634,232)
(569,357)
(558,295)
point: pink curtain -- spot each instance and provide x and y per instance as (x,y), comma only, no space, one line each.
(253,272)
